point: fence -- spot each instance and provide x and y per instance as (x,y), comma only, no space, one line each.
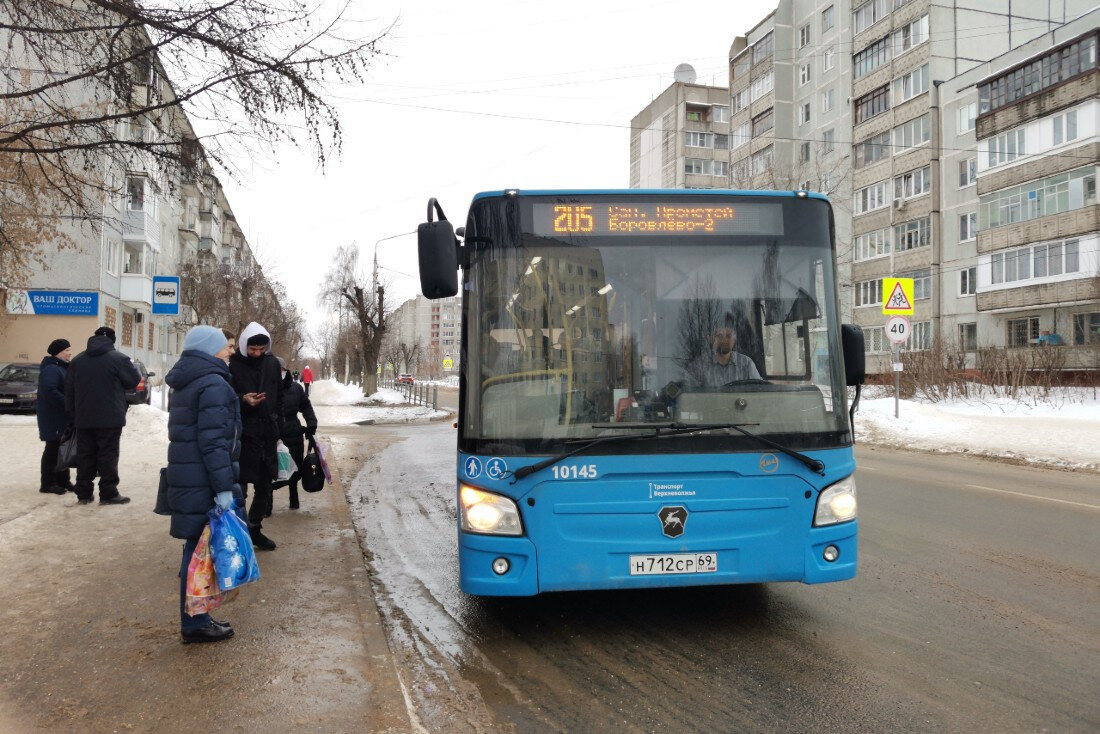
(417,394)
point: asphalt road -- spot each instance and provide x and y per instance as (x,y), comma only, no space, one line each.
(975,610)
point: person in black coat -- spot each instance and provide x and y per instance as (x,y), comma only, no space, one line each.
(259,383)
(295,402)
(52,420)
(95,402)
(204,423)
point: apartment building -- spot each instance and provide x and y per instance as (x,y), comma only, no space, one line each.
(1021,217)
(681,139)
(152,221)
(436,326)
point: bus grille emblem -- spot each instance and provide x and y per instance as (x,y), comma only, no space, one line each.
(673,520)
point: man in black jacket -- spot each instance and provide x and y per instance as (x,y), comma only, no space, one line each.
(258,381)
(295,402)
(95,402)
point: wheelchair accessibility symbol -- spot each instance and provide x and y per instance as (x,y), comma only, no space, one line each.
(496,468)
(473,467)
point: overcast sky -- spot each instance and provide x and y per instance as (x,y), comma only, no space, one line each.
(471,97)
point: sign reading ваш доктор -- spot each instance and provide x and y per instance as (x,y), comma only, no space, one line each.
(53,303)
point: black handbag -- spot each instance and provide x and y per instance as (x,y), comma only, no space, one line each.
(66,452)
(161,508)
(312,475)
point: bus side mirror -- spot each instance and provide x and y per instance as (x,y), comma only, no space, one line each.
(855,359)
(438,252)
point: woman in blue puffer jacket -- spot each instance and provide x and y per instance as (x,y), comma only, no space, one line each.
(204,429)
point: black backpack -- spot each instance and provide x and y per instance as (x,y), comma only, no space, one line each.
(312,476)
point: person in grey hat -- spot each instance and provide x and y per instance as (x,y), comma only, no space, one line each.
(52,421)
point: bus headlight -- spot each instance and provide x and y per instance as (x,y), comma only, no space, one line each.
(836,503)
(485,512)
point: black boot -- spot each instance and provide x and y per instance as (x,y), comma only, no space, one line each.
(294,496)
(260,540)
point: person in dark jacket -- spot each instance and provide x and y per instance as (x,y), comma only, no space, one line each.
(95,402)
(52,420)
(204,426)
(259,383)
(295,402)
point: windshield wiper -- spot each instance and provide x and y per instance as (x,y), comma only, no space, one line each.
(663,430)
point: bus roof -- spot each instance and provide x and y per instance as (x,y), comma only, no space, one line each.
(633,192)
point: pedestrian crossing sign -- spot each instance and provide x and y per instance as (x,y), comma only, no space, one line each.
(897,296)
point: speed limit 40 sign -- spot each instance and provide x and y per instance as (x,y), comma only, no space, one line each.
(897,329)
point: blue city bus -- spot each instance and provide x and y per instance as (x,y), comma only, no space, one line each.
(652,389)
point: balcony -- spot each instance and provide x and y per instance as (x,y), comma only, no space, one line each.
(141,226)
(136,290)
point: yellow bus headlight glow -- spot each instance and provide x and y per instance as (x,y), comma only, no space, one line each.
(836,503)
(485,512)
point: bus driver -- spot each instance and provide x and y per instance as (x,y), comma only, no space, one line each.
(723,364)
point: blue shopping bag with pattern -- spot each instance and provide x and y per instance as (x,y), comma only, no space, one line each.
(231,545)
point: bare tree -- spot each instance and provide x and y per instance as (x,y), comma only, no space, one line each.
(85,91)
(364,296)
(411,354)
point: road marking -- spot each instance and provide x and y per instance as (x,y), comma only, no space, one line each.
(1035,497)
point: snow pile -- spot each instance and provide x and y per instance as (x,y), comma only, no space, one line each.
(1062,432)
(331,392)
(387,396)
(18,420)
(346,415)
(148,422)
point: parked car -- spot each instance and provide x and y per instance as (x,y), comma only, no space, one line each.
(18,387)
(141,393)
(405,378)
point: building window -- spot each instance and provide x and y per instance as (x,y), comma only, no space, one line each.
(762,49)
(828,140)
(698,140)
(828,18)
(1086,328)
(762,123)
(922,283)
(828,98)
(872,244)
(914,234)
(871,198)
(1022,332)
(804,36)
(740,100)
(875,341)
(968,226)
(828,58)
(720,113)
(869,13)
(705,167)
(968,337)
(868,292)
(968,172)
(968,113)
(1065,127)
(695,116)
(873,104)
(762,161)
(910,35)
(913,183)
(112,252)
(1007,147)
(135,193)
(803,113)
(910,85)
(803,74)
(872,150)
(741,65)
(871,58)
(804,154)
(721,141)
(1054,195)
(1034,76)
(761,86)
(912,133)
(968,281)
(920,337)
(740,136)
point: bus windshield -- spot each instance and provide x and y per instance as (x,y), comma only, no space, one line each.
(586,317)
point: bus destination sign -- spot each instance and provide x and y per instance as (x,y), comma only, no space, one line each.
(609,218)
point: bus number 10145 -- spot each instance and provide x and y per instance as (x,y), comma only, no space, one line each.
(585,471)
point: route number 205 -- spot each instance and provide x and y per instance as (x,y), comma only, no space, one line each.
(585,471)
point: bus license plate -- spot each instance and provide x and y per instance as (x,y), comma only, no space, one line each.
(7,400)
(666,563)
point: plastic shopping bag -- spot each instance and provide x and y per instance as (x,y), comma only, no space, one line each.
(323,453)
(202,587)
(66,452)
(286,463)
(231,545)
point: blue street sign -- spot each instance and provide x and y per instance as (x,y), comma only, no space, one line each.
(166,295)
